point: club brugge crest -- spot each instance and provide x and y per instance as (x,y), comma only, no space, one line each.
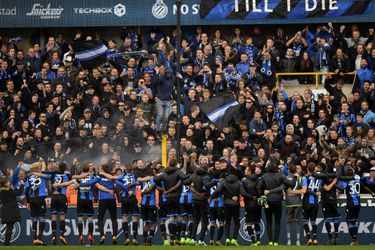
(15,233)
(160,9)
(243,230)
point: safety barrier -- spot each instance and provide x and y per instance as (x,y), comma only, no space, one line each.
(316,74)
(22,233)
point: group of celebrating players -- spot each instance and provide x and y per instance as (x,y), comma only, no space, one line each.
(182,197)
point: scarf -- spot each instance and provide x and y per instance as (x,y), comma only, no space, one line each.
(266,68)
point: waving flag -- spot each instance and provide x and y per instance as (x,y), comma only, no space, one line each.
(90,54)
(220,109)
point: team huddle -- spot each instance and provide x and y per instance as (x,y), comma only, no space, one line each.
(182,197)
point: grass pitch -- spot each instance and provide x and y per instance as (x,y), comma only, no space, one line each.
(338,247)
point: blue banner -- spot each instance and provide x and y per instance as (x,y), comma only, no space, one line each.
(112,13)
(22,233)
(290,9)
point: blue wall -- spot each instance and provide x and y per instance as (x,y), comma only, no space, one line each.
(22,234)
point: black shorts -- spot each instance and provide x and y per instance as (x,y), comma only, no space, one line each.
(163,211)
(129,206)
(293,213)
(309,212)
(330,212)
(253,214)
(186,209)
(216,214)
(109,205)
(38,208)
(148,213)
(85,208)
(173,206)
(352,213)
(59,204)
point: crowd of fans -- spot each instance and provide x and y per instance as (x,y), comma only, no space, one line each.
(53,110)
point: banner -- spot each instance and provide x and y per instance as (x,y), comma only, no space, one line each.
(22,233)
(220,109)
(112,13)
(290,9)
(90,54)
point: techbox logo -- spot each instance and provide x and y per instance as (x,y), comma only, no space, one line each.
(118,10)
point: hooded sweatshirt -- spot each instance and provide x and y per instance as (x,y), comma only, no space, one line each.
(164,84)
(230,188)
(170,177)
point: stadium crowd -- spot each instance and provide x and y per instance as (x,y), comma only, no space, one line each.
(63,125)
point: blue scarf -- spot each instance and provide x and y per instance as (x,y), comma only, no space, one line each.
(266,68)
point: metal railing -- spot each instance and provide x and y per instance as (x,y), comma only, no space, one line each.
(316,74)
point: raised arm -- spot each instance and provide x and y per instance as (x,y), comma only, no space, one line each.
(328,147)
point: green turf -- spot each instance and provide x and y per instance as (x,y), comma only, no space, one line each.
(340,247)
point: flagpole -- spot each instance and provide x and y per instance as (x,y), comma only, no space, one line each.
(178,54)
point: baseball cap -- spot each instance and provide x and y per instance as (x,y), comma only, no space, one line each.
(372,169)
(252,65)
(86,110)
(293,155)
(257,141)
(222,159)
(242,140)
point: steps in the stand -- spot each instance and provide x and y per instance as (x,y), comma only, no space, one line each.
(290,88)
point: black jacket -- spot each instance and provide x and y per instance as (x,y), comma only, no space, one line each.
(200,182)
(248,190)
(146,171)
(273,181)
(171,177)
(343,64)
(230,188)
(9,210)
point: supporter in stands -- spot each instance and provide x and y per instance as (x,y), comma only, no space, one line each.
(52,108)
